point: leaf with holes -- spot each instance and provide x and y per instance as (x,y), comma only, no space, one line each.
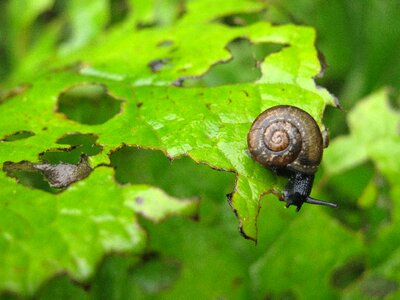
(132,87)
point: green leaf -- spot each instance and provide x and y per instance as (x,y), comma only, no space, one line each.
(374,133)
(70,232)
(296,256)
(369,139)
(127,85)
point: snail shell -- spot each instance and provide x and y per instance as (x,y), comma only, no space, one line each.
(286,137)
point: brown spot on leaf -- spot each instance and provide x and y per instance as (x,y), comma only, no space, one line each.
(63,174)
(178,82)
(157,64)
(139,200)
(57,175)
(165,43)
(146,25)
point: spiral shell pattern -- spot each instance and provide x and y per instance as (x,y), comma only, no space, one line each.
(286,137)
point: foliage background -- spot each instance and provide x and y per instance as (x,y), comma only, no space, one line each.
(352,252)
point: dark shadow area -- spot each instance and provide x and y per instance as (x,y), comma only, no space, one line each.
(16,136)
(155,274)
(348,273)
(285,295)
(363,197)
(119,10)
(5,55)
(88,104)
(246,57)
(346,195)
(339,126)
(55,14)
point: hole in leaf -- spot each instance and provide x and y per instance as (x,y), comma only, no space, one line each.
(243,19)
(156,273)
(19,135)
(81,144)
(348,273)
(378,287)
(180,178)
(246,57)
(47,177)
(88,104)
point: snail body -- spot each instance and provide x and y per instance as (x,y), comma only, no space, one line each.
(288,141)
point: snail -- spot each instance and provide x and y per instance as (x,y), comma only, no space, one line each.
(287,140)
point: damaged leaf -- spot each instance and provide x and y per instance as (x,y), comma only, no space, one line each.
(94,217)
(144,68)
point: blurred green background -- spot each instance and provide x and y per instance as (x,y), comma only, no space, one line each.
(208,258)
